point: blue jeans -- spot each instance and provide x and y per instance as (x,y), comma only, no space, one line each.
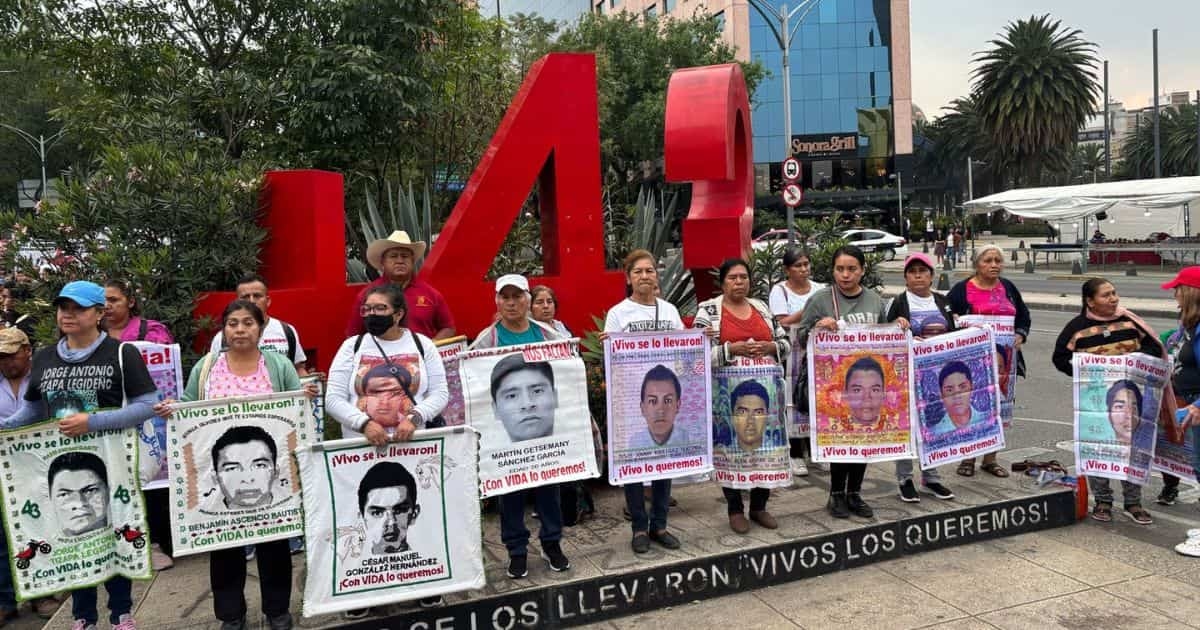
(512,518)
(1195,450)
(635,500)
(120,601)
(904,472)
(8,597)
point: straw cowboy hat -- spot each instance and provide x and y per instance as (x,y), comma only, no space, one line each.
(399,238)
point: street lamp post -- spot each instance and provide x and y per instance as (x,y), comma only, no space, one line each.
(780,22)
(1157,146)
(40,145)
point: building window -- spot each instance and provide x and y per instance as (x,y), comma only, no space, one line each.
(600,7)
(720,18)
(668,6)
(612,4)
(651,11)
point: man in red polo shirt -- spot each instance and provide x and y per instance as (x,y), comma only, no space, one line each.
(396,259)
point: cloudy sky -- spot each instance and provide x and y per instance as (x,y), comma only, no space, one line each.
(946,33)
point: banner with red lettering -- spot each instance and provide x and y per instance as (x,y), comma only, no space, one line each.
(750,446)
(451,349)
(166,370)
(1004,333)
(860,378)
(529,404)
(1116,414)
(957,397)
(658,390)
(390,524)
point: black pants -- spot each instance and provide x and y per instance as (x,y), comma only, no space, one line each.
(158,516)
(846,477)
(227,575)
(1170,481)
(798,447)
(758,500)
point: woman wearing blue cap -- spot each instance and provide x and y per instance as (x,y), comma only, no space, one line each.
(128,398)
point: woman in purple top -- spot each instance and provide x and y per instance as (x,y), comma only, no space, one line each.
(123,320)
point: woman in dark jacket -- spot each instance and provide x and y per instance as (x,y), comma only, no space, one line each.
(986,293)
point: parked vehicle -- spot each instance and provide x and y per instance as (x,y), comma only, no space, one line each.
(878,242)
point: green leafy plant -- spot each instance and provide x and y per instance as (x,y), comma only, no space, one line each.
(402,212)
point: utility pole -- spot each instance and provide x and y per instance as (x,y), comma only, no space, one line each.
(1157,147)
(780,22)
(1137,133)
(1107,129)
(1198,132)
(40,145)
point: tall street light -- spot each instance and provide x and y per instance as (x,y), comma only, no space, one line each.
(40,145)
(1157,147)
(779,20)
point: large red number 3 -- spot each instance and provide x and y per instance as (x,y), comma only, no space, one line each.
(708,143)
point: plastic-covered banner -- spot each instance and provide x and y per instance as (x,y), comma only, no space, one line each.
(529,404)
(74,513)
(166,370)
(1116,414)
(750,446)
(1004,334)
(233,481)
(318,402)
(797,383)
(957,397)
(451,351)
(859,380)
(393,523)
(659,415)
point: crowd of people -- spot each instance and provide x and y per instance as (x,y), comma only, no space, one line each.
(400,316)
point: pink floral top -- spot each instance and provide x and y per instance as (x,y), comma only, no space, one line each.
(992,301)
(222,383)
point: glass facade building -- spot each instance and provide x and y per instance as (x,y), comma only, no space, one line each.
(841,97)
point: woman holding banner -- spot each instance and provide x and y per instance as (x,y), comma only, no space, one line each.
(742,330)
(361,398)
(643,311)
(845,301)
(128,398)
(928,314)
(987,293)
(787,301)
(1184,347)
(243,370)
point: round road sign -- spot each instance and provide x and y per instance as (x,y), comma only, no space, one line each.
(791,169)
(793,195)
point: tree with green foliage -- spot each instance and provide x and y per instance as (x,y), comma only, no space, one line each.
(1177,145)
(1034,90)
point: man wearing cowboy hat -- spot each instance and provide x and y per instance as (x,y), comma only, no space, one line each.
(396,259)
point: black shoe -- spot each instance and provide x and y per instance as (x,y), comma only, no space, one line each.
(282,622)
(240,624)
(555,559)
(855,504)
(431,602)
(517,567)
(640,543)
(939,491)
(1168,495)
(908,492)
(837,505)
(665,538)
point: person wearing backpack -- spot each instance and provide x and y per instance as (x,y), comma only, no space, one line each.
(122,316)
(361,394)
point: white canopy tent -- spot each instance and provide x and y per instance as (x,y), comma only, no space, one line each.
(1135,208)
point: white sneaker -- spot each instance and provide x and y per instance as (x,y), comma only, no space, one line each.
(798,467)
(1189,547)
(1193,533)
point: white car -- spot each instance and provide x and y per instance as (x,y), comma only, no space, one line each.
(777,238)
(879,242)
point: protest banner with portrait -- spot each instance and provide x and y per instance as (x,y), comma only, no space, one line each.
(797,386)
(451,351)
(166,370)
(957,397)
(74,512)
(859,379)
(529,404)
(233,480)
(1174,448)
(659,414)
(379,520)
(1004,334)
(750,446)
(1116,413)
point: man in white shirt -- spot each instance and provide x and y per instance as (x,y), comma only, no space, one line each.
(277,336)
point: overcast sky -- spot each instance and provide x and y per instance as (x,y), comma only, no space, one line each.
(947,33)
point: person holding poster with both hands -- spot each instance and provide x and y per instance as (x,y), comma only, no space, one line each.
(787,300)
(643,311)
(847,301)
(743,328)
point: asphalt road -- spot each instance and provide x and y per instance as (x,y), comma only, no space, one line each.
(1061,282)
(1042,429)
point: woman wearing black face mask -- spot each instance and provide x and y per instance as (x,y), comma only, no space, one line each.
(389,381)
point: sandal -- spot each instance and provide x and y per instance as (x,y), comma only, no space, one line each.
(966,468)
(994,469)
(1102,512)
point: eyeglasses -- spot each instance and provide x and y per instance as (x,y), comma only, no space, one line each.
(374,309)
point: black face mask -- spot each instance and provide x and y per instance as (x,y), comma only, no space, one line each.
(377,325)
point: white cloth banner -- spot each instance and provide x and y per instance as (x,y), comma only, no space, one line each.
(957,397)
(451,350)
(529,404)
(393,523)
(233,480)
(1004,333)
(166,370)
(1116,414)
(64,500)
